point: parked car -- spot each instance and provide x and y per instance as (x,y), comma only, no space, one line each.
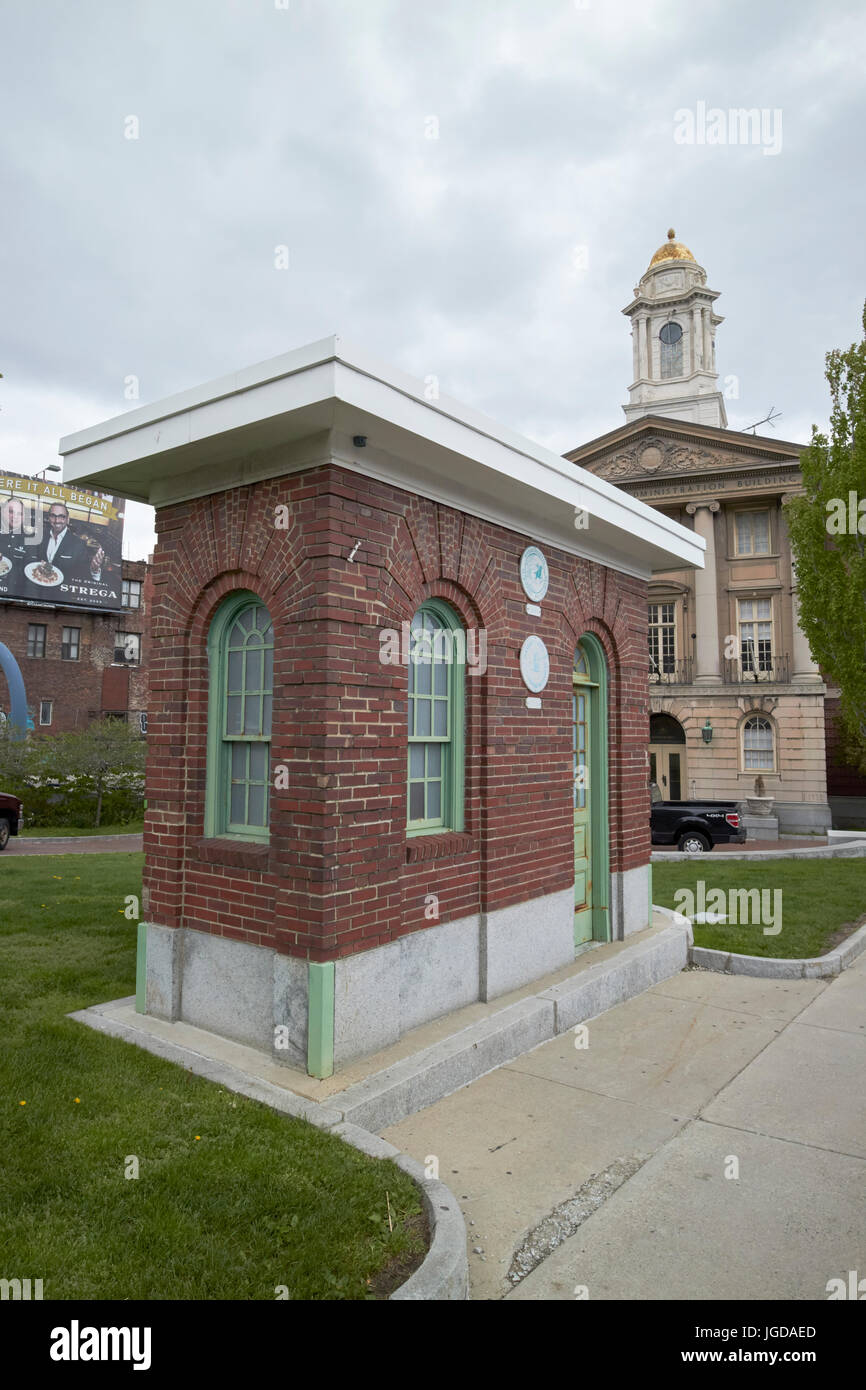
(11,817)
(694,826)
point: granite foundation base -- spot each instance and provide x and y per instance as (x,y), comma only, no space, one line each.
(256,996)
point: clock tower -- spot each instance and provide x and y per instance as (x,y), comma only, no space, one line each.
(673,326)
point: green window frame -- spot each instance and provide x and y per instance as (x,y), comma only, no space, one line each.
(436,713)
(240,704)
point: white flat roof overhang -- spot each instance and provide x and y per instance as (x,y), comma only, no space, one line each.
(308,405)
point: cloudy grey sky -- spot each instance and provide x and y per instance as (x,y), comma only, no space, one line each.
(308,123)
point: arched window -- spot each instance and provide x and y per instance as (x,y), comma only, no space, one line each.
(241,655)
(758,751)
(671,339)
(437,668)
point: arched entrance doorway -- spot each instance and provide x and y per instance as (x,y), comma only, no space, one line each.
(667,754)
(590,795)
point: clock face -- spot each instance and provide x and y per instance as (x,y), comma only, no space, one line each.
(534,574)
(534,664)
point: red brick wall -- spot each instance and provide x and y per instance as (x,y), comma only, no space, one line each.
(339,874)
(75,687)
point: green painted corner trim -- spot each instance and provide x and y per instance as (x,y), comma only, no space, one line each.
(141,969)
(320,1026)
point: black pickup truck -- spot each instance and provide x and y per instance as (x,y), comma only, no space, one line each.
(694,826)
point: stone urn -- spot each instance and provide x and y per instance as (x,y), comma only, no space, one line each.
(759,804)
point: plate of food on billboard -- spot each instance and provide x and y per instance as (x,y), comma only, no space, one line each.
(59,544)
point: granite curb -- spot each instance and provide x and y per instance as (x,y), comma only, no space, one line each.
(776,968)
(854,848)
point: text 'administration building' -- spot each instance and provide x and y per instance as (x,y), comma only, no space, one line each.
(735,694)
(349,830)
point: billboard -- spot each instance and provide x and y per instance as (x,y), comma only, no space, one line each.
(59,544)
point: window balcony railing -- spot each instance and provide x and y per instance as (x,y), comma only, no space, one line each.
(757,671)
(667,671)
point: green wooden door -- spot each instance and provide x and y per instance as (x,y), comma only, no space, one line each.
(580,704)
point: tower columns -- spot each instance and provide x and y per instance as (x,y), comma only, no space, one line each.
(706,603)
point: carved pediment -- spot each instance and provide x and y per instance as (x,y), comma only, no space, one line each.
(654,457)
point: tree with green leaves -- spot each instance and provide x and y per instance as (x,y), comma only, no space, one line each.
(106,753)
(827,525)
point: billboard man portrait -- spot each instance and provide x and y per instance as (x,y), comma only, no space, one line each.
(61,546)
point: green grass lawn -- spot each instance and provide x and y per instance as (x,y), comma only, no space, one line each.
(51,832)
(231,1200)
(819,898)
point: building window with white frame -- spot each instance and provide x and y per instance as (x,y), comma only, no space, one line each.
(130,593)
(758,750)
(752,533)
(127,648)
(46,712)
(755,620)
(662,639)
(70,645)
(36,634)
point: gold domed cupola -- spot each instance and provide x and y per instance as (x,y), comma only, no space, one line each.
(673,336)
(672,250)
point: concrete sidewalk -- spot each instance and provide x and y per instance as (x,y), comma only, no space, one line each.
(603,1167)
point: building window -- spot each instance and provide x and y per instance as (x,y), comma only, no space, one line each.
(756,635)
(241,651)
(758,745)
(36,639)
(436,703)
(752,532)
(70,646)
(671,339)
(127,648)
(662,639)
(46,711)
(130,593)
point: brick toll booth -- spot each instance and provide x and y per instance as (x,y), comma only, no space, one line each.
(398,705)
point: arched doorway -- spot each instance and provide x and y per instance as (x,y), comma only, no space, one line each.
(667,754)
(590,792)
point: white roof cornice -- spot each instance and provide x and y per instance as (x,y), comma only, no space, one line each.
(264,421)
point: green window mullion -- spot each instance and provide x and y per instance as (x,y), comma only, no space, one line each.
(230,637)
(449,779)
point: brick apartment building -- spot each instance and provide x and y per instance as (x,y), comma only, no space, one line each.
(81,663)
(344,840)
